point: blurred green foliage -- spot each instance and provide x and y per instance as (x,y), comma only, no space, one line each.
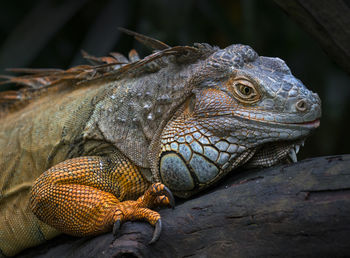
(51,33)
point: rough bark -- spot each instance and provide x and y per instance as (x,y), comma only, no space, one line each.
(327,21)
(299,209)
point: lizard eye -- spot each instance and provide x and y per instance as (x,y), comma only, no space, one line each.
(245,91)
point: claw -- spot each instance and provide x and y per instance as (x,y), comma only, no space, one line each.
(156,233)
(170,196)
(116,227)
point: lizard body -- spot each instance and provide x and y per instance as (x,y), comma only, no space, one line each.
(78,158)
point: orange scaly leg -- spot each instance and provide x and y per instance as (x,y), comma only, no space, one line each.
(82,196)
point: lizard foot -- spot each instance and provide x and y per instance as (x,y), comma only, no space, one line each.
(156,195)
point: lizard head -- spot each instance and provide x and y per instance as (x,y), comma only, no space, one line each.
(244,109)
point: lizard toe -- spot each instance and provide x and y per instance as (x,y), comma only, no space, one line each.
(169,195)
(150,198)
(156,233)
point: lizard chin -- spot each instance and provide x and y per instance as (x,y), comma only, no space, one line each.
(270,154)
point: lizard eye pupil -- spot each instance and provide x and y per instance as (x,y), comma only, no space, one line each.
(246,90)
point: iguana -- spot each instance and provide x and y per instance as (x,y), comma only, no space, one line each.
(85,149)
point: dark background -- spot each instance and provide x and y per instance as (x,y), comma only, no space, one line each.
(51,33)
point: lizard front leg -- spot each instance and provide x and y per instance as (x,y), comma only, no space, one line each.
(84,196)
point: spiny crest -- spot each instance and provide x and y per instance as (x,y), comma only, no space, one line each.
(37,82)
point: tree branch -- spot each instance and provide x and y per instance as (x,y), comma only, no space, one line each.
(299,209)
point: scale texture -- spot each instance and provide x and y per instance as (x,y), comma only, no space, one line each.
(85,149)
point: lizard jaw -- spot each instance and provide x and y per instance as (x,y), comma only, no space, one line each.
(273,153)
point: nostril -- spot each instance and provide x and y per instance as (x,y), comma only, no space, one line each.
(301,105)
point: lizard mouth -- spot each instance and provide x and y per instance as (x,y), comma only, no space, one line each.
(273,153)
(309,124)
